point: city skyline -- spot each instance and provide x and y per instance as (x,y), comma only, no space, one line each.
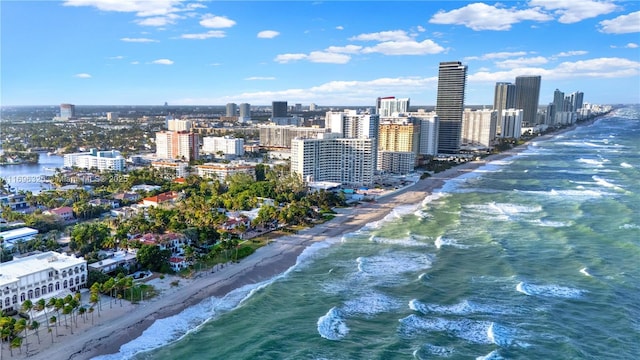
(97,52)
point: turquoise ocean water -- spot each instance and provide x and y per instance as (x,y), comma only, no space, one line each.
(533,257)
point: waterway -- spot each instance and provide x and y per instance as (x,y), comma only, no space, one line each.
(31,177)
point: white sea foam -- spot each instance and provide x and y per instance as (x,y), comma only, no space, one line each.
(501,211)
(626,165)
(477,332)
(629,226)
(442,241)
(585,272)
(549,223)
(494,355)
(173,328)
(332,326)
(369,304)
(432,350)
(594,162)
(408,241)
(464,307)
(603,182)
(549,290)
(393,263)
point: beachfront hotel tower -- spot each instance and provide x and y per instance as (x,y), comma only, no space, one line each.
(388,106)
(67,111)
(527,97)
(452,78)
(504,98)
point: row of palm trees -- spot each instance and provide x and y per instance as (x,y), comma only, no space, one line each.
(16,332)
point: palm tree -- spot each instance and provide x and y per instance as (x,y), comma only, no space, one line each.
(34,326)
(27,305)
(60,305)
(53,320)
(21,325)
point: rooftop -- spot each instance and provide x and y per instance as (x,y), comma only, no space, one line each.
(11,271)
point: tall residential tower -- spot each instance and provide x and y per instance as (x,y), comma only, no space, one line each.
(452,78)
(527,97)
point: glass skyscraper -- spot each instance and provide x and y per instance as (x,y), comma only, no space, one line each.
(452,78)
(527,97)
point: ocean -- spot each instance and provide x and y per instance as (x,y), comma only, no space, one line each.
(536,256)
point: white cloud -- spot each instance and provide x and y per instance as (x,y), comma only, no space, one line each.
(119,57)
(328,57)
(252,78)
(392,35)
(623,24)
(420,28)
(135,62)
(209,34)
(216,22)
(158,20)
(631,46)
(408,47)
(497,55)
(339,27)
(268,34)
(571,53)
(285,58)
(479,16)
(572,11)
(162,62)
(349,49)
(138,40)
(521,62)
(82,76)
(592,68)
(154,13)
(333,92)
(215,64)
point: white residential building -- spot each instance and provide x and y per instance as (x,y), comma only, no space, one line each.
(220,171)
(101,160)
(429,129)
(175,169)
(10,237)
(179,125)
(511,123)
(478,128)
(390,106)
(228,145)
(279,136)
(335,159)
(37,276)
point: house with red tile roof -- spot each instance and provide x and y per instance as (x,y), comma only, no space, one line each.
(65,213)
(161,199)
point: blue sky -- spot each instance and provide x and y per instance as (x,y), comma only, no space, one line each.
(114,52)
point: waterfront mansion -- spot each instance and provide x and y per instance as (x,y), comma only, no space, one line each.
(40,276)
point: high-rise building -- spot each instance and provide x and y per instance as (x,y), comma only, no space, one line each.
(101,160)
(353,124)
(180,145)
(227,145)
(112,116)
(576,100)
(479,128)
(527,97)
(312,107)
(278,136)
(503,98)
(335,159)
(232,109)
(245,112)
(179,125)
(279,109)
(398,144)
(511,123)
(452,79)
(390,106)
(67,111)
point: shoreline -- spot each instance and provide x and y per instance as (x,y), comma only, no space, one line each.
(124,322)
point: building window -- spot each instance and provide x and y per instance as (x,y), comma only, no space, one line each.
(30,294)
(50,287)
(15,299)
(37,292)
(7,302)
(58,286)
(65,284)
(22,297)
(44,290)
(70,282)
(78,280)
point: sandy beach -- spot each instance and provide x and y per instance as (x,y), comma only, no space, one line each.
(120,323)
